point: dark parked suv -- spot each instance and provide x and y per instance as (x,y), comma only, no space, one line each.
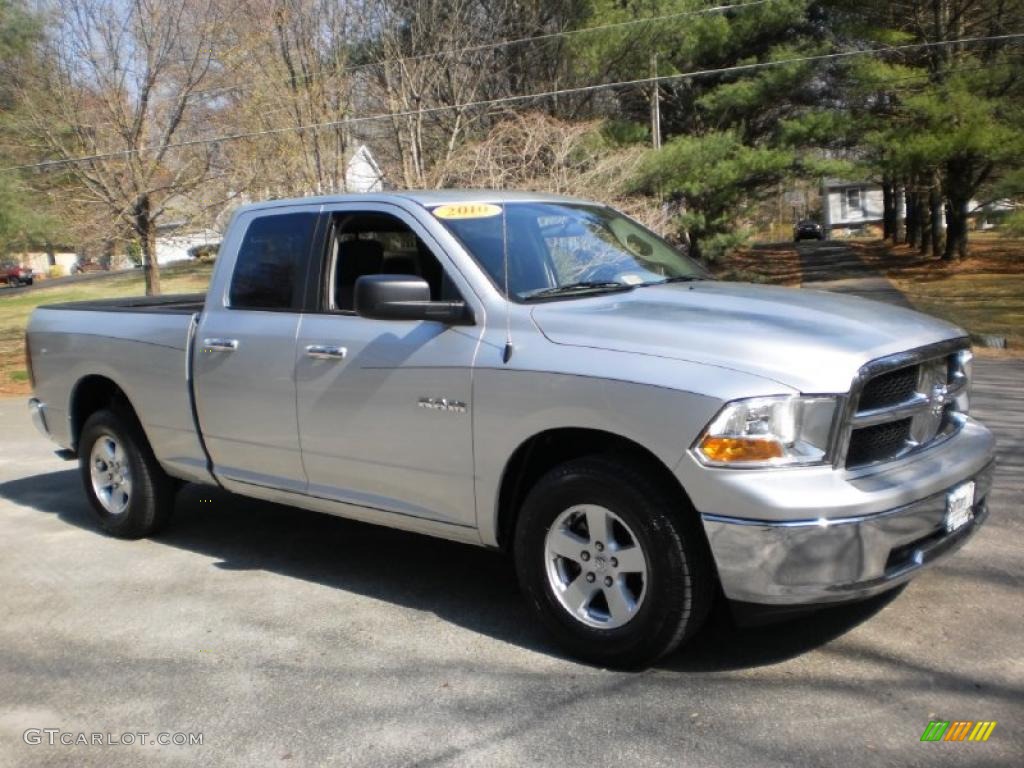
(808,229)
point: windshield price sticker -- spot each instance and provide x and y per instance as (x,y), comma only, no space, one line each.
(467,211)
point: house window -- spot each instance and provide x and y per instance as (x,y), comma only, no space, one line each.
(852,202)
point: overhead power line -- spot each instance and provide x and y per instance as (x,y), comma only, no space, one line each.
(523,97)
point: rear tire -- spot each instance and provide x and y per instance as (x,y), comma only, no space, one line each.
(130,495)
(626,611)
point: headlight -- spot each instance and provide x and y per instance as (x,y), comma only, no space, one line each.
(769,432)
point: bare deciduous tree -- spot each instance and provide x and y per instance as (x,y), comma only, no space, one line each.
(293,73)
(536,152)
(121,88)
(434,57)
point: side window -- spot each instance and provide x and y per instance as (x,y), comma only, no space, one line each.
(270,261)
(379,244)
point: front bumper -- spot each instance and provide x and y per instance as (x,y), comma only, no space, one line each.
(825,560)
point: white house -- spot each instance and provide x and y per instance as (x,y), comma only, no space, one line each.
(41,261)
(848,206)
(173,244)
(362,174)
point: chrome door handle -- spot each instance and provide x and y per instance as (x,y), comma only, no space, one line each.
(220,345)
(326,352)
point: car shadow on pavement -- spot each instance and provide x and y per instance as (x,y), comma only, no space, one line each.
(722,645)
(469,586)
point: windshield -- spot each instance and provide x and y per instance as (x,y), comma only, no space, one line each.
(562,249)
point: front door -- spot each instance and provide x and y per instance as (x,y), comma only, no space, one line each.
(384,407)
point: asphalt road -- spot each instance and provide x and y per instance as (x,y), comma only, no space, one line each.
(290,638)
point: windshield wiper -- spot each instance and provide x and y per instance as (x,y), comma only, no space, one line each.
(585,286)
(679,279)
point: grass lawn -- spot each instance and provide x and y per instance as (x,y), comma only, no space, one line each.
(15,310)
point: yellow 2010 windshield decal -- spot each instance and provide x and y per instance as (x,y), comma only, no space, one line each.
(467,211)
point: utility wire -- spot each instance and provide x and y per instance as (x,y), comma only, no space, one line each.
(521,97)
(238,87)
(506,43)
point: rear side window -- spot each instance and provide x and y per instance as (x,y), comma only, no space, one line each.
(270,261)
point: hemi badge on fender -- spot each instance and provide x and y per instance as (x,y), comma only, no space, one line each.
(442,404)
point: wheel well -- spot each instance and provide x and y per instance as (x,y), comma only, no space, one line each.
(549,449)
(91,394)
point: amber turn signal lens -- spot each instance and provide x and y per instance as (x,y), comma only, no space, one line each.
(736,449)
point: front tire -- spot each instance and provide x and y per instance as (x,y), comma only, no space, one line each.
(612,562)
(130,495)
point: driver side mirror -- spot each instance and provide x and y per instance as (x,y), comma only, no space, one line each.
(405,297)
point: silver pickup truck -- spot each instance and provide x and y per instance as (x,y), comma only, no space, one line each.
(541,375)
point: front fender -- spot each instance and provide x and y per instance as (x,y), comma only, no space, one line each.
(512,406)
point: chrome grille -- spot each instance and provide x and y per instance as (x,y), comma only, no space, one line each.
(871,444)
(904,403)
(889,388)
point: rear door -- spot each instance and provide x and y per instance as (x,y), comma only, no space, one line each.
(370,392)
(245,350)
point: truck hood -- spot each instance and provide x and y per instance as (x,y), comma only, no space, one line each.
(812,341)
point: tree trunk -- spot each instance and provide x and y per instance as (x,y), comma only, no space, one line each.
(924,222)
(956,183)
(956,228)
(694,251)
(146,229)
(935,216)
(913,234)
(888,210)
(897,208)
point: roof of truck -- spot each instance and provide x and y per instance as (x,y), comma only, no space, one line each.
(425,197)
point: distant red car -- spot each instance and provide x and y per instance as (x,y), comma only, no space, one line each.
(15,274)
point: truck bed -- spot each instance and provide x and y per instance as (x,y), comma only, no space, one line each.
(172,304)
(139,342)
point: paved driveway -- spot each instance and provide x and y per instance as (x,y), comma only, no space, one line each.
(290,638)
(833,265)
